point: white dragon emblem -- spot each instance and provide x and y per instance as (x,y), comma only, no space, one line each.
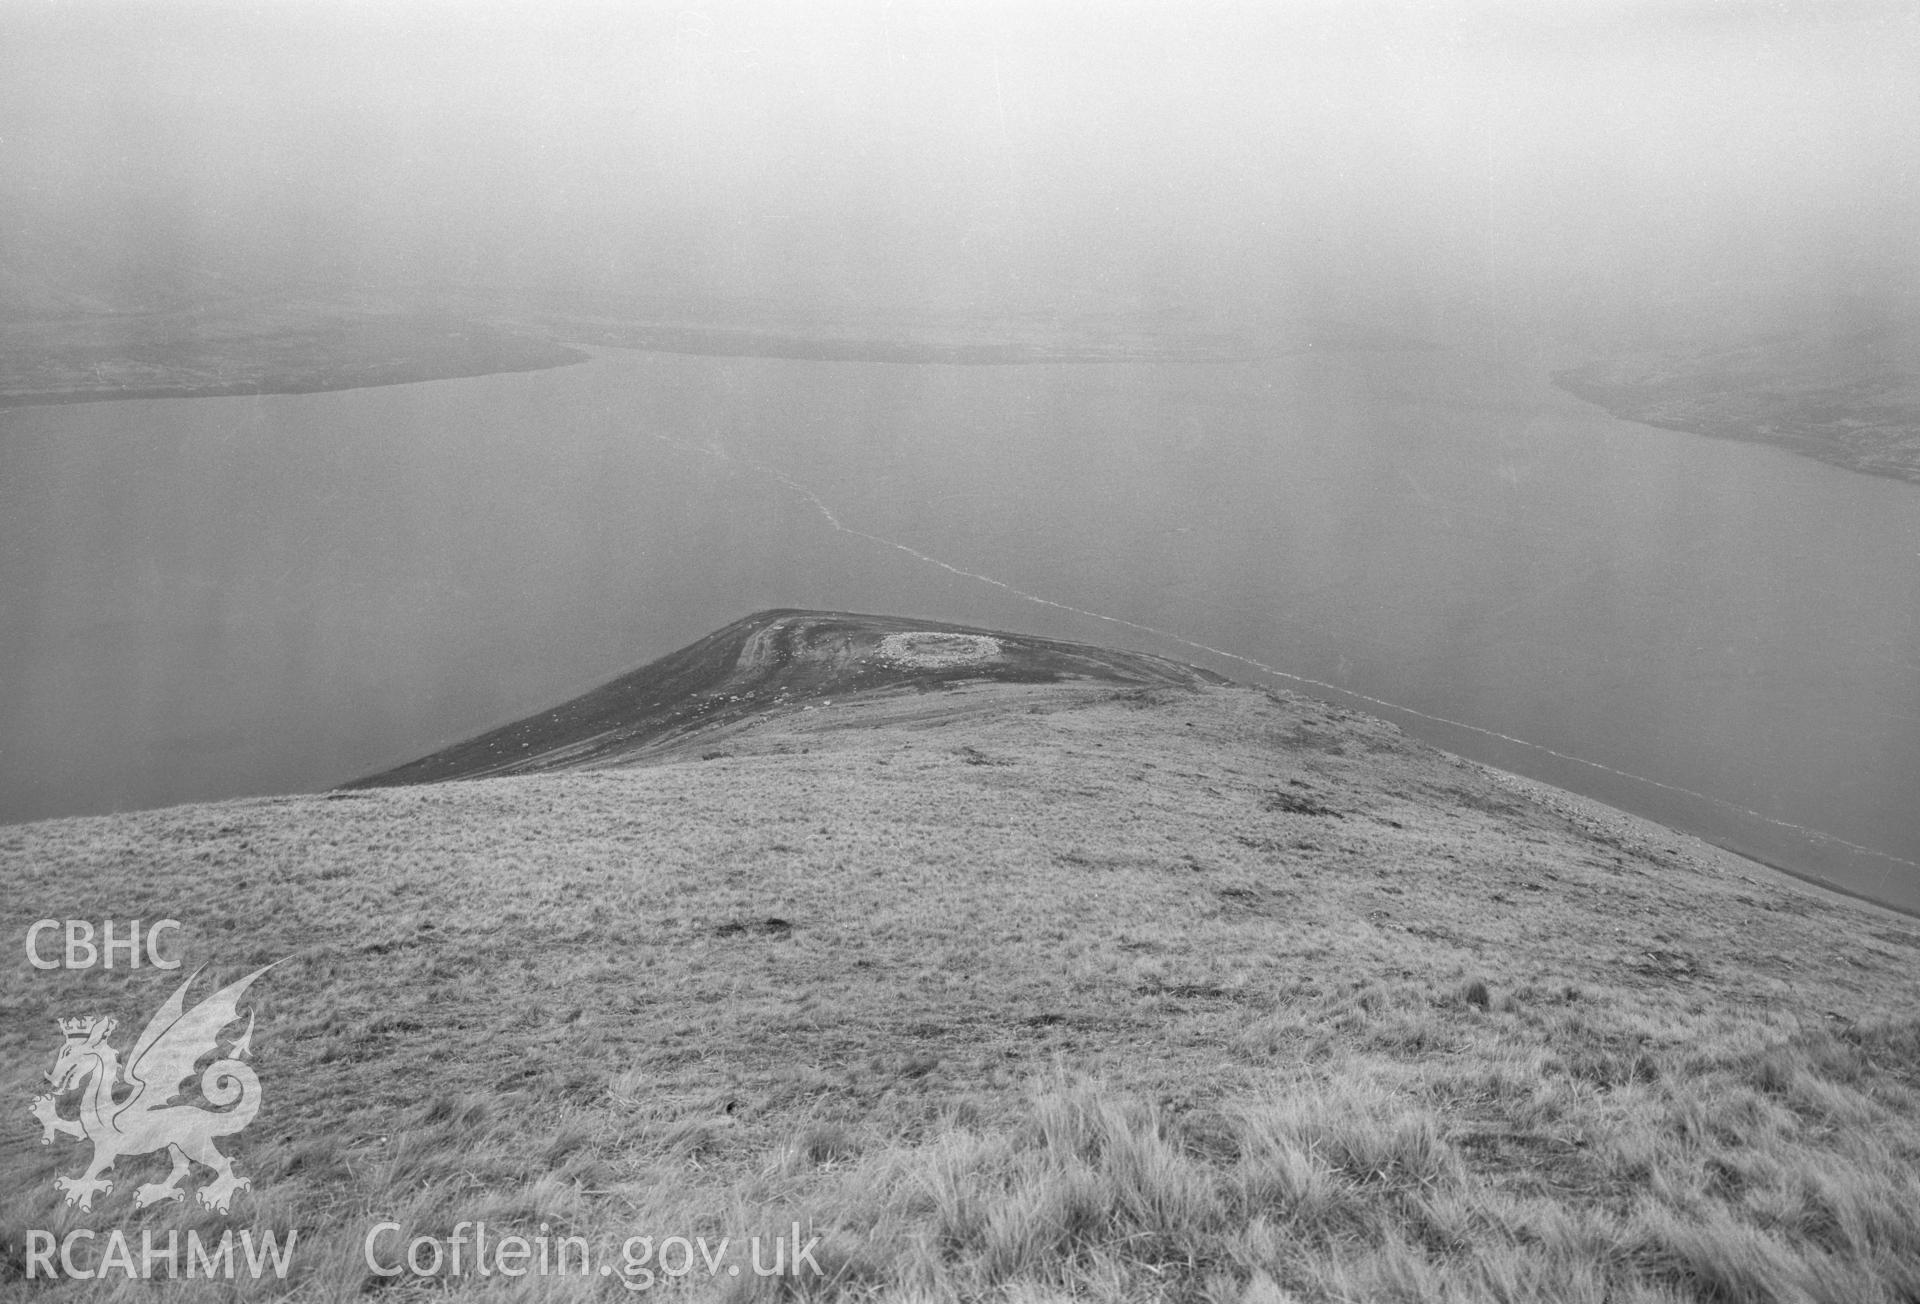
(144,1120)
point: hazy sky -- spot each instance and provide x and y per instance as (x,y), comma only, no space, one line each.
(1586,166)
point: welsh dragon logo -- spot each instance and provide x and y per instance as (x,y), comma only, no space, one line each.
(129,1111)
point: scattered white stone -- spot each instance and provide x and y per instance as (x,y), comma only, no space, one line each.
(931,650)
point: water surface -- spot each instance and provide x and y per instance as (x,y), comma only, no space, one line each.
(204,598)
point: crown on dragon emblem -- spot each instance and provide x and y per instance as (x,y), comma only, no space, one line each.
(145,1120)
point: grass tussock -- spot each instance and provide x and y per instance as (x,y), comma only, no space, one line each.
(1103,1022)
(1339,1190)
(1733,1176)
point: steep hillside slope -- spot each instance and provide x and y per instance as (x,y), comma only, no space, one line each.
(1111,982)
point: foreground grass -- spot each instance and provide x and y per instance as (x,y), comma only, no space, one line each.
(1209,996)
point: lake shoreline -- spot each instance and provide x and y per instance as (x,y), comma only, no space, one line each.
(1848,402)
(545,342)
(68,398)
(1513,497)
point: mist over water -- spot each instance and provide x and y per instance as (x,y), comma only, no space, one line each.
(223,596)
(1592,168)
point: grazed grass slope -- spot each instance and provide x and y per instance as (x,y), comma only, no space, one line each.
(1018,991)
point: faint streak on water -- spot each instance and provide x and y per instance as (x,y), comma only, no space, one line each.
(833,519)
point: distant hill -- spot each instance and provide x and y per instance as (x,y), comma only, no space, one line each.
(69,337)
(1009,969)
(250,346)
(1851,400)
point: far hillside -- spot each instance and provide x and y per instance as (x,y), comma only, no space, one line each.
(1852,399)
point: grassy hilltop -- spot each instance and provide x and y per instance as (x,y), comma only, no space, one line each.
(1012,970)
